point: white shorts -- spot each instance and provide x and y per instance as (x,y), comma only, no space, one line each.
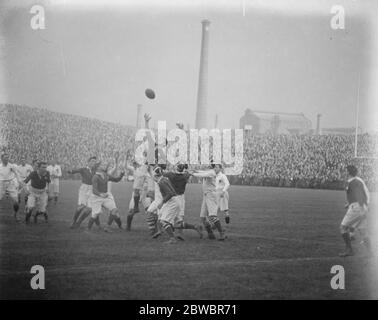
(37,200)
(209,205)
(223,201)
(9,187)
(96,203)
(355,217)
(54,186)
(85,191)
(170,210)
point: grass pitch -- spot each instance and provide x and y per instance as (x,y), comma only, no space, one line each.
(281,244)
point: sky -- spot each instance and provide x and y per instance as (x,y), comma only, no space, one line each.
(96,58)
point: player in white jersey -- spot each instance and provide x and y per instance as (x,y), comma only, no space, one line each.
(9,182)
(222,185)
(209,208)
(153,213)
(55,173)
(143,190)
(24,170)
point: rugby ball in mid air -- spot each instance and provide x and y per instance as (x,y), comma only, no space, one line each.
(150,93)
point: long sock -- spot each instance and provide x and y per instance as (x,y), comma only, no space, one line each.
(45,215)
(77,214)
(26,199)
(118,222)
(207,226)
(208,229)
(151,222)
(97,221)
(90,223)
(136,202)
(83,216)
(169,230)
(129,220)
(27,216)
(36,216)
(16,207)
(218,226)
(110,219)
(347,241)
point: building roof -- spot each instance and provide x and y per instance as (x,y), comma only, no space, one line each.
(283,116)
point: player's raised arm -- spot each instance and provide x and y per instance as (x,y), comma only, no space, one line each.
(147,118)
(116,179)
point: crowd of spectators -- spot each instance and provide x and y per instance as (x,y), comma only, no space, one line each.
(310,161)
(314,161)
(35,133)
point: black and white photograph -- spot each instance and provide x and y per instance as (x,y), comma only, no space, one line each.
(201,151)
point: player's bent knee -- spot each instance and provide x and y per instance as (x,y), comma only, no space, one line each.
(114,212)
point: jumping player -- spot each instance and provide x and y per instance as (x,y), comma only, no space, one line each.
(143,191)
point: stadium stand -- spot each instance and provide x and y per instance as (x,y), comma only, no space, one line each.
(304,161)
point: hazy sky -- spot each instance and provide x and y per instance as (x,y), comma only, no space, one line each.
(97,60)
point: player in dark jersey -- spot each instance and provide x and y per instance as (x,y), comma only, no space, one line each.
(170,205)
(179,180)
(355,218)
(38,195)
(101,198)
(83,211)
